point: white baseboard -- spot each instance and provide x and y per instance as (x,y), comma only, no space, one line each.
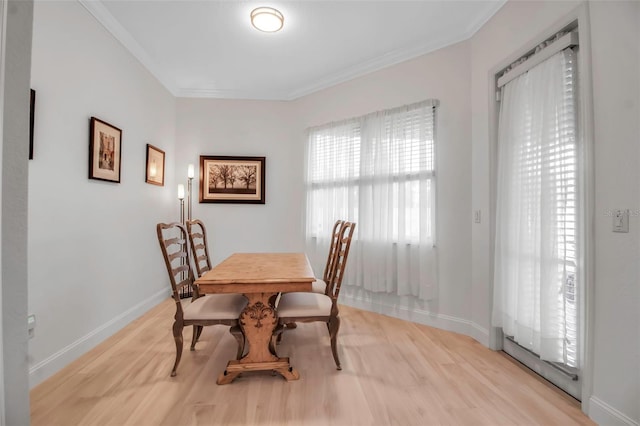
(444,322)
(604,414)
(480,334)
(51,365)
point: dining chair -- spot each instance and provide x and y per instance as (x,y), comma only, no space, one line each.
(310,307)
(320,285)
(212,309)
(199,247)
(200,252)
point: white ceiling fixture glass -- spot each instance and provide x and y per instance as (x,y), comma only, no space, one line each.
(267,19)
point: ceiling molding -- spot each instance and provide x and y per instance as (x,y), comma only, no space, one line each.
(483,19)
(100,12)
(231,94)
(392,58)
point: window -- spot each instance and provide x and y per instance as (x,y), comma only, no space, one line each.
(379,171)
(536,288)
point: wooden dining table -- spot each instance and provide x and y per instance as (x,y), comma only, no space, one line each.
(260,277)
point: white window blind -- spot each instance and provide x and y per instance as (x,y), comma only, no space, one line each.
(377,170)
(536,266)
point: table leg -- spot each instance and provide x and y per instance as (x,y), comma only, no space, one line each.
(258,320)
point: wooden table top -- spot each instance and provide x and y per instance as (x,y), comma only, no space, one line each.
(248,272)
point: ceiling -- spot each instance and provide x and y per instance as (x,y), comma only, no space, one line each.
(209,48)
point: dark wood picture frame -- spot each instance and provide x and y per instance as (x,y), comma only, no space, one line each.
(154,171)
(231,179)
(32,121)
(105,153)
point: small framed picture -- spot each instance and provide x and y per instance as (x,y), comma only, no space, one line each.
(226,179)
(155,166)
(105,142)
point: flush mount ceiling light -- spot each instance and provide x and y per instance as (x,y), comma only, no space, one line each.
(267,19)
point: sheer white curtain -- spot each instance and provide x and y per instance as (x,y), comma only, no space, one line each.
(378,171)
(535,286)
(332,174)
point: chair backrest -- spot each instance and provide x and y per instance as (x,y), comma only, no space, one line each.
(342,253)
(199,248)
(335,237)
(173,243)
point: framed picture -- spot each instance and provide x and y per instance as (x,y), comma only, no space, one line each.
(32,120)
(155,166)
(105,142)
(226,179)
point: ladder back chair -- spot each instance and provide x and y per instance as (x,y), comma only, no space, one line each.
(311,307)
(212,309)
(199,247)
(320,285)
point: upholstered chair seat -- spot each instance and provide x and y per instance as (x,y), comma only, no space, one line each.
(215,307)
(304,305)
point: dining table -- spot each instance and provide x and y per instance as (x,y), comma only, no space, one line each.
(260,277)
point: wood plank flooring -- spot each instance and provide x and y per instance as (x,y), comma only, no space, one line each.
(394,373)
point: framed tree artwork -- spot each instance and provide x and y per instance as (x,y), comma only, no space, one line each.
(105,142)
(228,179)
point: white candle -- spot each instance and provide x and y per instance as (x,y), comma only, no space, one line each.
(180,192)
(190,171)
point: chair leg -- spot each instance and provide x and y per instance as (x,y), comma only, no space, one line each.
(236,332)
(197,331)
(200,328)
(334,326)
(177,336)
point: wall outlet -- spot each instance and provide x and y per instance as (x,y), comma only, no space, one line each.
(31,325)
(621,221)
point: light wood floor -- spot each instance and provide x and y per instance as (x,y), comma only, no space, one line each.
(394,373)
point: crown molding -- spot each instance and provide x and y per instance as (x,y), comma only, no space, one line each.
(100,12)
(231,94)
(104,17)
(393,58)
(375,64)
(483,19)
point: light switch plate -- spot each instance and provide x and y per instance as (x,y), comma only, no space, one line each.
(621,221)
(476,216)
(31,325)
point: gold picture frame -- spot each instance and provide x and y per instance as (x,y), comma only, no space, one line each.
(230,179)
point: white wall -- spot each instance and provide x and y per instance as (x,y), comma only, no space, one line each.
(15,35)
(614,34)
(94,260)
(244,128)
(615,28)
(442,75)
